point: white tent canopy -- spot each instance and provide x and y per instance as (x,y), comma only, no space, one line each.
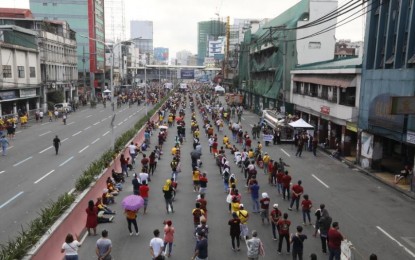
(219,89)
(300,123)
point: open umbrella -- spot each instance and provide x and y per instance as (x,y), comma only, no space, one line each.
(132,202)
(107,91)
(163,127)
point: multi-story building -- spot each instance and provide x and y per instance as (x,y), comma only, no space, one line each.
(208,31)
(58,60)
(268,55)
(20,82)
(183,57)
(86,18)
(114,20)
(142,35)
(347,48)
(387,140)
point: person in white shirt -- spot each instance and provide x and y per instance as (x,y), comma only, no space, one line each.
(156,246)
(70,247)
(211,141)
(143,177)
(133,152)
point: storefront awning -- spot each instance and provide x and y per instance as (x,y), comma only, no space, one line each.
(342,81)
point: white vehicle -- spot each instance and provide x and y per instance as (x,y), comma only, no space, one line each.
(63,107)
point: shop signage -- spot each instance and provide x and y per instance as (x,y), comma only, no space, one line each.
(187,74)
(7,95)
(410,137)
(30,92)
(403,105)
(351,126)
(325,110)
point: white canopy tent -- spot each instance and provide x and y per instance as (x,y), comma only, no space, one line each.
(300,123)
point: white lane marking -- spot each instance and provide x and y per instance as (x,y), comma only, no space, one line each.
(102,110)
(88,116)
(130,116)
(115,127)
(44,176)
(64,140)
(107,132)
(104,119)
(44,150)
(397,242)
(83,149)
(71,123)
(18,132)
(120,123)
(97,123)
(84,237)
(242,118)
(45,133)
(251,125)
(96,140)
(77,133)
(10,147)
(285,152)
(11,199)
(86,128)
(45,123)
(62,164)
(1,172)
(72,191)
(22,161)
(125,120)
(315,177)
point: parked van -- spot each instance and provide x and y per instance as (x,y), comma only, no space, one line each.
(63,107)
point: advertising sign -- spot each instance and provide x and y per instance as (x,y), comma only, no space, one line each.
(325,110)
(187,74)
(25,93)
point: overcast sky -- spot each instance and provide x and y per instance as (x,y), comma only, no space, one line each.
(175,21)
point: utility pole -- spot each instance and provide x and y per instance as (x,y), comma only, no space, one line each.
(284,53)
(83,62)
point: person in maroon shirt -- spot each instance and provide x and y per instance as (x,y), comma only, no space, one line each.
(144,162)
(203,183)
(264,204)
(144,190)
(203,203)
(279,176)
(153,163)
(306,206)
(275,216)
(297,192)
(286,181)
(124,164)
(335,239)
(284,232)
(248,143)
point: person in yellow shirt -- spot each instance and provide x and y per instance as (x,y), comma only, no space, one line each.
(235,205)
(243,215)
(266,160)
(195,178)
(173,150)
(225,139)
(250,154)
(196,133)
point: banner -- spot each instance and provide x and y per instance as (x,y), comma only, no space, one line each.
(268,138)
(187,74)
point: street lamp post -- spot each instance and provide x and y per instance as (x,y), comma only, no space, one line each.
(145,87)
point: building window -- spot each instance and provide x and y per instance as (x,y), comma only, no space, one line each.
(45,4)
(32,72)
(20,71)
(7,71)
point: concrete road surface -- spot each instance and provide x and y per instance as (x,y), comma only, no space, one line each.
(374,217)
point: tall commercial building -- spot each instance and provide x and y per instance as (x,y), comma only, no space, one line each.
(183,57)
(208,31)
(144,31)
(115,21)
(387,139)
(86,18)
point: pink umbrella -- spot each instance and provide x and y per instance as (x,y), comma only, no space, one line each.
(132,202)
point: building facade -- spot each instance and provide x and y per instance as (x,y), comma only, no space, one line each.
(208,31)
(183,57)
(268,55)
(86,18)
(20,80)
(388,70)
(142,35)
(115,29)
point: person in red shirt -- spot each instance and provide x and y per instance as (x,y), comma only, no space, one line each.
(306,206)
(279,176)
(286,182)
(264,202)
(284,232)
(215,147)
(248,143)
(144,189)
(335,239)
(275,216)
(203,180)
(203,203)
(144,162)
(297,192)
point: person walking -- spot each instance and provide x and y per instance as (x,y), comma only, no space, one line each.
(144,191)
(124,164)
(92,218)
(324,226)
(306,206)
(335,239)
(4,143)
(168,195)
(235,231)
(286,182)
(133,152)
(254,189)
(274,216)
(136,184)
(131,216)
(70,247)
(243,215)
(264,202)
(156,246)
(197,214)
(168,237)
(297,191)
(297,241)
(201,250)
(255,247)
(56,144)
(104,246)
(284,232)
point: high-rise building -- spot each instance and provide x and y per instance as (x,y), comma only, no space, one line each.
(86,18)
(183,57)
(207,31)
(114,20)
(142,32)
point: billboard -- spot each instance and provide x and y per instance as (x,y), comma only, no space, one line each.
(161,54)
(187,74)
